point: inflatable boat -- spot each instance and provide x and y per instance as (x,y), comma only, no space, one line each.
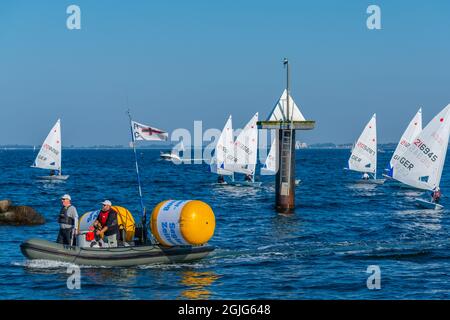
(181,228)
(124,256)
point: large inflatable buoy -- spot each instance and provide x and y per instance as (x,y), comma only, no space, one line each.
(124,218)
(183,222)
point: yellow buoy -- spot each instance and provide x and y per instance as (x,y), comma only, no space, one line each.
(126,221)
(183,222)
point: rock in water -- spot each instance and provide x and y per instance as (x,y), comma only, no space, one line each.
(21,216)
(4,205)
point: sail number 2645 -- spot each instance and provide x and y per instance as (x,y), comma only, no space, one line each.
(423,147)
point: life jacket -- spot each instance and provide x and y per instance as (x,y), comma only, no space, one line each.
(63,218)
(437,194)
(103,217)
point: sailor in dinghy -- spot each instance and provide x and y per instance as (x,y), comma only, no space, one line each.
(223,153)
(245,154)
(364,154)
(411,132)
(421,164)
(50,155)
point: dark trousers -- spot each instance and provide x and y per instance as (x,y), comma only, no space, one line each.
(65,236)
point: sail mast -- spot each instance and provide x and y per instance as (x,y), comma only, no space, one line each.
(143,213)
(288,92)
(60,150)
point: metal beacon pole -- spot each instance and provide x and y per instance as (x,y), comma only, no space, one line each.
(143,235)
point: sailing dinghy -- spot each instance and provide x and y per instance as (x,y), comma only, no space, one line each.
(270,166)
(49,156)
(223,153)
(421,164)
(411,132)
(245,154)
(364,154)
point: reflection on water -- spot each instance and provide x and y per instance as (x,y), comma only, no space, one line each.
(197,284)
(286,225)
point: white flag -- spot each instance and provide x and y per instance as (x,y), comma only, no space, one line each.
(143,132)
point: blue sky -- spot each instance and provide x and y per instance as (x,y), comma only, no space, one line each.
(180,61)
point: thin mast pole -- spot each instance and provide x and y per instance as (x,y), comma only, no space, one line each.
(286,63)
(289,117)
(143,213)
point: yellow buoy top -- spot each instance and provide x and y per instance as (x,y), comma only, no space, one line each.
(183,222)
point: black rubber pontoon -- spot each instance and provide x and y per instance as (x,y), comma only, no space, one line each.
(114,257)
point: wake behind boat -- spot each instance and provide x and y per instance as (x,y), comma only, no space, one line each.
(370,181)
(173,155)
(245,183)
(169,156)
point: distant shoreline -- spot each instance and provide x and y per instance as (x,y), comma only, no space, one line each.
(167,147)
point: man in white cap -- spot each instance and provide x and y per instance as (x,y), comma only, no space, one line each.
(68,221)
(106,224)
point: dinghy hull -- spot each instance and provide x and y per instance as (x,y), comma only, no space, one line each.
(428,204)
(244,184)
(54,178)
(112,257)
(371,181)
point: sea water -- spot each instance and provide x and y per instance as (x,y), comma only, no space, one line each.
(322,251)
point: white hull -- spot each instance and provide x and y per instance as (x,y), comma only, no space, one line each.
(371,181)
(56,178)
(428,204)
(244,183)
(170,157)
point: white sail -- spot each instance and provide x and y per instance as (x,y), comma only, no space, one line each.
(245,149)
(224,150)
(49,157)
(279,112)
(271,165)
(421,165)
(364,153)
(411,132)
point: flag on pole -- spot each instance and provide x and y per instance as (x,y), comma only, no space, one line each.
(144,132)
